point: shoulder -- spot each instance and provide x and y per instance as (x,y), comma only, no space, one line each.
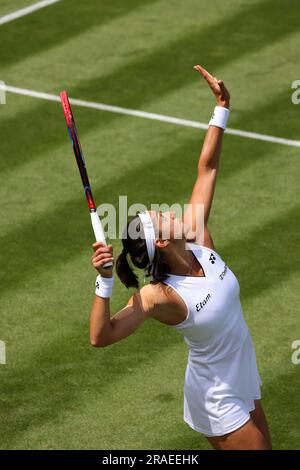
(154,295)
(203,238)
(162,302)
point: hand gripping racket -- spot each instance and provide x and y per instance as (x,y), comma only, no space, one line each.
(96,223)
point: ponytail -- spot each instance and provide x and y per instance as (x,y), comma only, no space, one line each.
(124,271)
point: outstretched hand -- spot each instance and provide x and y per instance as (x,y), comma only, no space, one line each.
(217,86)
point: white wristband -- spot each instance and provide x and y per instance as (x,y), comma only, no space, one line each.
(219,117)
(104,286)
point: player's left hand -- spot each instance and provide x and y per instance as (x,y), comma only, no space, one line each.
(217,86)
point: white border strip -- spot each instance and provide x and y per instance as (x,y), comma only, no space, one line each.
(26,11)
(153,116)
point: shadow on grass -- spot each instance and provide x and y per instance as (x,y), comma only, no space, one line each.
(281,405)
(158,73)
(57,24)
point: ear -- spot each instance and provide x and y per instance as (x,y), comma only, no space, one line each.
(160,244)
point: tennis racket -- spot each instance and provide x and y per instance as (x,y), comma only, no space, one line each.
(73,134)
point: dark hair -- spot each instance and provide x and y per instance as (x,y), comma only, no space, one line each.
(137,249)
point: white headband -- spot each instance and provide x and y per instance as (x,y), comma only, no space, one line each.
(149,233)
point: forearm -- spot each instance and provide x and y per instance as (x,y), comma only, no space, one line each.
(100,325)
(210,154)
(211,149)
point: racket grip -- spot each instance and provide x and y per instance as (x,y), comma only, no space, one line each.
(99,234)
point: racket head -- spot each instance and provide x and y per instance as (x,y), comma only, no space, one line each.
(66,108)
(74,137)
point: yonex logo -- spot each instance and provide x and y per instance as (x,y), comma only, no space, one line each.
(203,303)
(212,258)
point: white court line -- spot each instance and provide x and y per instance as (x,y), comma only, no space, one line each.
(26,11)
(143,114)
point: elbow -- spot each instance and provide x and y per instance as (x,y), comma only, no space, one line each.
(99,337)
(97,343)
(206,166)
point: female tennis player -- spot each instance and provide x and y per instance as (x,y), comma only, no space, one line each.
(195,292)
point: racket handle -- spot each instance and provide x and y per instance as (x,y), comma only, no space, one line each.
(99,234)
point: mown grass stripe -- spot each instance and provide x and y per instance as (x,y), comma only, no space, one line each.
(68,19)
(147,115)
(26,11)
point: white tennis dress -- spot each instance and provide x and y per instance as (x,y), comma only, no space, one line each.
(221,379)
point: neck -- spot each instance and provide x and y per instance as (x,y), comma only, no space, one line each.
(179,259)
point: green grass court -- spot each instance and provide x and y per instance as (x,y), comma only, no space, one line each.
(57,392)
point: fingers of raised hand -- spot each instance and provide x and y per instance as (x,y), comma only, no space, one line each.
(217,86)
(205,74)
(213,82)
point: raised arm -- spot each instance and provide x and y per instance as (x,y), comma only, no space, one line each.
(208,164)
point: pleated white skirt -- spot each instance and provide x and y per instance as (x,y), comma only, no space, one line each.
(219,396)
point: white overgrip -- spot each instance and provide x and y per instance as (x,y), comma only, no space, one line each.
(98,231)
(97,227)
